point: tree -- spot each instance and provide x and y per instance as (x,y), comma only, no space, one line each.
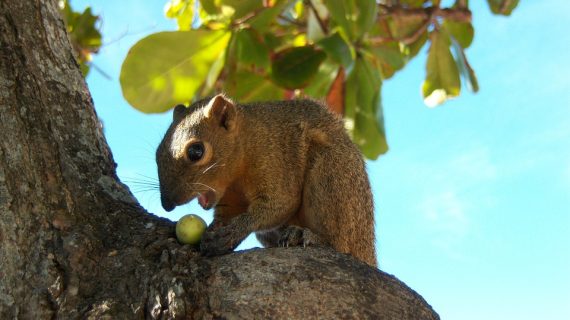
(76,244)
(340,51)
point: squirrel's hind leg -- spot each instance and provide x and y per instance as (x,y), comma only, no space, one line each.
(291,236)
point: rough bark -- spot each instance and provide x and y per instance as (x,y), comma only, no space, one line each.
(76,244)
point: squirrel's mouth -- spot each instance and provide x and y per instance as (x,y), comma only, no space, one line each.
(207,199)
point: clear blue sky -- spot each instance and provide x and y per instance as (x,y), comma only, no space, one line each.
(473,198)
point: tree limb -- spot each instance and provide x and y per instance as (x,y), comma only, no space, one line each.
(75,243)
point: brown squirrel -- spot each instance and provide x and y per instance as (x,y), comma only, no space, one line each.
(285,170)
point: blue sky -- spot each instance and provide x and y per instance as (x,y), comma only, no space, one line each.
(473,198)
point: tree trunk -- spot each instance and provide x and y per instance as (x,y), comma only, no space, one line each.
(76,244)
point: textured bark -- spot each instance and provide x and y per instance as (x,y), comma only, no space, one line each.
(76,244)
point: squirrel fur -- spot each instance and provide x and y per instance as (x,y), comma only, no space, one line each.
(286,170)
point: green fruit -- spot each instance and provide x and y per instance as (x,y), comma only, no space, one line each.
(189,229)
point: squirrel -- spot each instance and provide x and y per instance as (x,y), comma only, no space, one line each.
(286,170)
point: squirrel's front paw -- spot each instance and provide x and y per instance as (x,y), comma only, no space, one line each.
(220,240)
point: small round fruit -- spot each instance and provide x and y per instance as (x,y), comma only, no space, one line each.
(189,229)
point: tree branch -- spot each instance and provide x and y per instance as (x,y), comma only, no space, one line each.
(429,15)
(455,14)
(75,244)
(322,24)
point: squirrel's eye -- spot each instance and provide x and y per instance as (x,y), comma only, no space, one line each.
(195,151)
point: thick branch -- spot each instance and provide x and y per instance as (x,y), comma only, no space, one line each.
(75,244)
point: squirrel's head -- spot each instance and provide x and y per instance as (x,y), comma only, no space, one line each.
(197,156)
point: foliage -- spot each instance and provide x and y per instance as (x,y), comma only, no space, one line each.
(340,51)
(83,33)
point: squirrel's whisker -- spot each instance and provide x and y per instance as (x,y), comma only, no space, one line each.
(205,185)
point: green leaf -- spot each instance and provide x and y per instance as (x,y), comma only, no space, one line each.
(403,27)
(84,67)
(242,7)
(182,11)
(321,83)
(83,33)
(464,68)
(210,84)
(250,49)
(363,108)
(462,32)
(247,86)
(272,41)
(442,79)
(294,67)
(503,7)
(338,49)
(416,46)
(155,76)
(209,6)
(267,16)
(390,58)
(355,17)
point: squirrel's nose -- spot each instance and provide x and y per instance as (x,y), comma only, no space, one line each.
(167,204)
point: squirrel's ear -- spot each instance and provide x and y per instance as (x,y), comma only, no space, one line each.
(223,111)
(179,112)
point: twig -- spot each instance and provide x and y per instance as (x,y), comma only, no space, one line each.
(456,14)
(429,15)
(320,21)
(297,23)
(248,16)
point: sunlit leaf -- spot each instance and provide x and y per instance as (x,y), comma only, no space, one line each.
(462,32)
(241,7)
(215,16)
(363,108)
(250,49)
(355,17)
(338,49)
(442,79)
(83,32)
(294,67)
(504,7)
(464,68)
(154,77)
(209,86)
(247,86)
(182,11)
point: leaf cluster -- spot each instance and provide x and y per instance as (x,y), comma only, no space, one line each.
(83,30)
(339,51)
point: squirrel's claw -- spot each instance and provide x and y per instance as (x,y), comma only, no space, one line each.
(297,236)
